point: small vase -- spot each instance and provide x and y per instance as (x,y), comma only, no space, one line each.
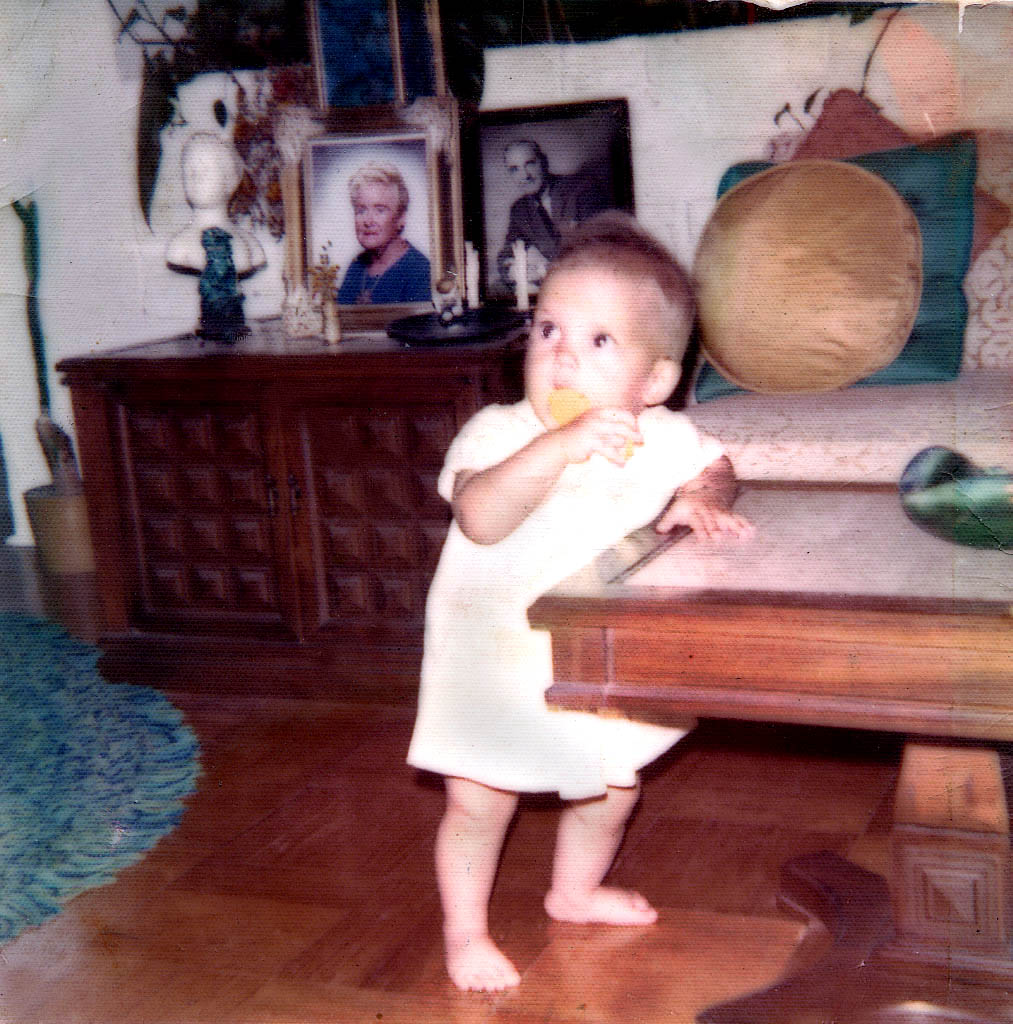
(332,325)
(299,317)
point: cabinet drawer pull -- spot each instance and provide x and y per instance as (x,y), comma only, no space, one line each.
(294,494)
(272,496)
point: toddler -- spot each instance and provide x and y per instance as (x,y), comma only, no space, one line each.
(534,502)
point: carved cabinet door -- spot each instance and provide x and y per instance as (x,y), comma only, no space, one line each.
(201,481)
(369,524)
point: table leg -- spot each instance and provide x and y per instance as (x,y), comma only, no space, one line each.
(950,923)
(951,865)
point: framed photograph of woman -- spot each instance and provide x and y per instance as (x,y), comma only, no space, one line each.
(544,169)
(371,209)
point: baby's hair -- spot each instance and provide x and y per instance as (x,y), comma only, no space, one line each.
(615,241)
(380,174)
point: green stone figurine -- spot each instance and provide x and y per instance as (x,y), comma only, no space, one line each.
(948,495)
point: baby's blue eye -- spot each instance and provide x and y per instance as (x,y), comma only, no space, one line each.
(546,329)
(602,340)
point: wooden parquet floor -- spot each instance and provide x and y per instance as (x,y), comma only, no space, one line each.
(299,886)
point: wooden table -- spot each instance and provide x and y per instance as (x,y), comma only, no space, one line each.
(839,612)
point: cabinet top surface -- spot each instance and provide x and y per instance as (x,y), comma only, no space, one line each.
(267,344)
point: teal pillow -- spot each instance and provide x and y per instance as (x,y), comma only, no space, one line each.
(937,181)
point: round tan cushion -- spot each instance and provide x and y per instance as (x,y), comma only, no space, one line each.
(808,278)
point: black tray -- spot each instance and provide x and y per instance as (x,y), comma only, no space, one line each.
(476,325)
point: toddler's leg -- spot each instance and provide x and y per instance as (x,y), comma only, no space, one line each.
(590,832)
(468,847)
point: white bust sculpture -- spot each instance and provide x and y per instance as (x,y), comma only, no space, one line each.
(211,173)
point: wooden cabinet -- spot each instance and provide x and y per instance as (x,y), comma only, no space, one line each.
(265,517)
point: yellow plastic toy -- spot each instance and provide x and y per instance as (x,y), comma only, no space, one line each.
(566,404)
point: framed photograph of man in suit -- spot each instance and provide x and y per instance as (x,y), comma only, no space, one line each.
(544,169)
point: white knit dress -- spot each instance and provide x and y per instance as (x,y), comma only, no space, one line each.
(482,713)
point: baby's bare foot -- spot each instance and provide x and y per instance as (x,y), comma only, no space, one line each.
(603,905)
(476,965)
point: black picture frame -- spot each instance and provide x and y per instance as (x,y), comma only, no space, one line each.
(376,52)
(587,143)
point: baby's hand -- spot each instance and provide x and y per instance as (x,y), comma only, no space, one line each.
(608,432)
(705,517)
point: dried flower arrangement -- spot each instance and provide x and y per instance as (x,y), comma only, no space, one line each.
(323,278)
(323,275)
(268,134)
(177,43)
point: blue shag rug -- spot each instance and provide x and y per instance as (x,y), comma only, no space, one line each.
(92,774)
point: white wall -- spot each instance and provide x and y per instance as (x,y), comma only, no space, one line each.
(68,111)
(701,101)
(698,102)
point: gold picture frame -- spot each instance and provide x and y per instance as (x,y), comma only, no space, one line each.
(423,142)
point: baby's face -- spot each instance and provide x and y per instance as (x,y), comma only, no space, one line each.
(592,331)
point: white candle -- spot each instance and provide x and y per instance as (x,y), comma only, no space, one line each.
(471,275)
(521,273)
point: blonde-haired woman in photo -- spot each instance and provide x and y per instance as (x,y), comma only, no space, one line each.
(389,269)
